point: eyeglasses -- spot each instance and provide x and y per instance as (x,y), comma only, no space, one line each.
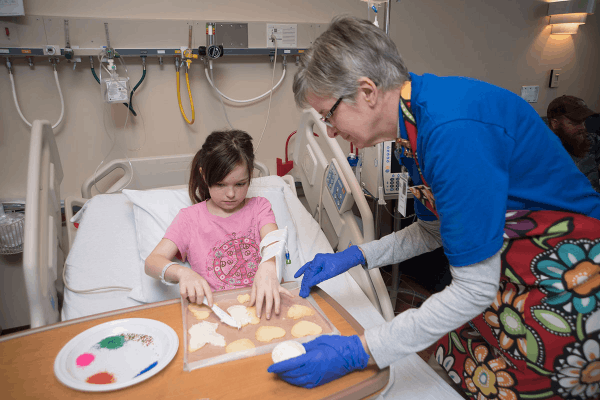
(326,118)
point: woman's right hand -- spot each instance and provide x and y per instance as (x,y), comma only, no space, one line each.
(325,266)
(194,287)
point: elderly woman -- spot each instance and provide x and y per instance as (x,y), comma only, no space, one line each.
(518,222)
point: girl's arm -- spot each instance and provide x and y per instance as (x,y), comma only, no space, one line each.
(266,288)
(191,284)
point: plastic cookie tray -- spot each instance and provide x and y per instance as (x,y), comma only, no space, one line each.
(210,354)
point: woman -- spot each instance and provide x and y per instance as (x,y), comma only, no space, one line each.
(518,222)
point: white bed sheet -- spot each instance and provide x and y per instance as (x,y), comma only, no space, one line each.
(104,243)
(96,256)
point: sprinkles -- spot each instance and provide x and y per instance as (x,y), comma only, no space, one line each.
(146,340)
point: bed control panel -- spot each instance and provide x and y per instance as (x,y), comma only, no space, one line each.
(338,187)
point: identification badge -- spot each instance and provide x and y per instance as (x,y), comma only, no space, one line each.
(403,193)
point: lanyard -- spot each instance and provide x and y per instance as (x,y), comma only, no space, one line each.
(422,193)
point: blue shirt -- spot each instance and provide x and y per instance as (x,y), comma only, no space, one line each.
(484,150)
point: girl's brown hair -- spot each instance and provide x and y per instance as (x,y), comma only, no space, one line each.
(220,154)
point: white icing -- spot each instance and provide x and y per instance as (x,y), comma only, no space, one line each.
(240,314)
(286,350)
(205,332)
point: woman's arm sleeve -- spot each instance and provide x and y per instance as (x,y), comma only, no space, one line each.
(473,289)
(418,238)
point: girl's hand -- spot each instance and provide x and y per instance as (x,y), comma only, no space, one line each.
(194,287)
(266,289)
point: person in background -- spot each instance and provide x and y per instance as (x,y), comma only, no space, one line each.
(567,116)
(519,223)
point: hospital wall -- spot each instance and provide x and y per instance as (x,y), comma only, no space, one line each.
(507,43)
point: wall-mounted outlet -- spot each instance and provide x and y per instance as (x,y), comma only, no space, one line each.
(554,75)
(530,93)
(51,50)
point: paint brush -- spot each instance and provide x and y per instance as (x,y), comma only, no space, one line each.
(223,316)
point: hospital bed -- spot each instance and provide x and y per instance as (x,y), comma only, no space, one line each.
(105,250)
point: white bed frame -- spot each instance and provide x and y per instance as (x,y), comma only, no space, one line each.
(45,252)
(342,230)
(42,243)
(149,173)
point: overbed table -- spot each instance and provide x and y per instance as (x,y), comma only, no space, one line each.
(27,362)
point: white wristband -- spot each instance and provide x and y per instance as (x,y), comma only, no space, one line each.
(162,274)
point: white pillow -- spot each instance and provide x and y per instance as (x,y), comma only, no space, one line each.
(154,210)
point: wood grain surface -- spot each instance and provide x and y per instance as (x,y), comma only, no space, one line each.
(27,362)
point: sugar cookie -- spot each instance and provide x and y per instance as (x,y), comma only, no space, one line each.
(239,345)
(205,332)
(306,328)
(298,311)
(286,350)
(240,314)
(199,311)
(268,333)
(252,312)
(243,298)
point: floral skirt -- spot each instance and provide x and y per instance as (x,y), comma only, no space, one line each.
(540,338)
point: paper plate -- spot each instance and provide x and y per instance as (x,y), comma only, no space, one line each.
(116,354)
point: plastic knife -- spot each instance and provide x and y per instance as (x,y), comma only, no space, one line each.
(223,316)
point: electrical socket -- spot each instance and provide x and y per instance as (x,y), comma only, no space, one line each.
(530,93)
(51,50)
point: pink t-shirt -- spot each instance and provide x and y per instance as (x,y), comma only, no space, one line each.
(224,251)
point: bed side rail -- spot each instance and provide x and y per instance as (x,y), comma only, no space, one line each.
(42,241)
(313,165)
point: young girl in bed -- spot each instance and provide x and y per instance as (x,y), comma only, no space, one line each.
(220,234)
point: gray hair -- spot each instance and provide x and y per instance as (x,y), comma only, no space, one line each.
(348,50)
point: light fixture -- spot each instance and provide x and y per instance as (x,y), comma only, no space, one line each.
(566,16)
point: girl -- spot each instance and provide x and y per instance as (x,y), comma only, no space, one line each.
(220,234)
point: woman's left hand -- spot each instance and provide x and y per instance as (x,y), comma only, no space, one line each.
(266,289)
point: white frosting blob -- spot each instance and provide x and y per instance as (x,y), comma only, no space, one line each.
(205,332)
(240,314)
(286,350)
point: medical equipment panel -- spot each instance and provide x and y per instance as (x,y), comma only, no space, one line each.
(380,172)
(338,188)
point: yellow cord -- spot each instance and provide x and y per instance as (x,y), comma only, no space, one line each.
(187,79)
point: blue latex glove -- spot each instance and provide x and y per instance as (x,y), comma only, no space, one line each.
(327,358)
(326,266)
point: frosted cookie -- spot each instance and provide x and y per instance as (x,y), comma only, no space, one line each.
(268,333)
(306,328)
(205,332)
(243,298)
(298,311)
(252,312)
(239,345)
(286,350)
(200,312)
(240,314)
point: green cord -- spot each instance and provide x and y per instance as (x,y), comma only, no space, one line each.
(135,87)
(94,73)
